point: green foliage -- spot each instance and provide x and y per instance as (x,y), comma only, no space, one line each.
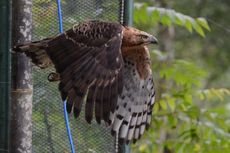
(188,117)
(181,116)
(213,93)
(149,16)
(183,73)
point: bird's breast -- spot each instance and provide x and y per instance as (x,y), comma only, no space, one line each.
(139,56)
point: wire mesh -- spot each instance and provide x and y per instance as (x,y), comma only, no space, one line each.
(49,133)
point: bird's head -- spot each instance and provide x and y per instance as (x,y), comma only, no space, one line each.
(135,37)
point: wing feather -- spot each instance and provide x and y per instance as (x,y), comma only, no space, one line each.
(90,103)
(83,56)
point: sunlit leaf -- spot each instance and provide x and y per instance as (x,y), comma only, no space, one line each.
(156,108)
(163,104)
(179,20)
(188,25)
(188,99)
(193,112)
(214,93)
(197,147)
(169,17)
(143,147)
(171,103)
(155,15)
(203,23)
(172,121)
(198,28)
(165,20)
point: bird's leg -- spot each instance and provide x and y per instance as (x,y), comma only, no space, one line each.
(52,77)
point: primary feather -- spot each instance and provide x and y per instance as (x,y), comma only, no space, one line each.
(107,63)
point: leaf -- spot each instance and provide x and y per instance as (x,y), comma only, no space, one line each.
(143,147)
(197,147)
(169,17)
(172,121)
(203,23)
(172,15)
(163,104)
(179,20)
(155,15)
(182,107)
(165,20)
(217,93)
(171,103)
(141,15)
(193,112)
(188,99)
(188,25)
(202,96)
(214,93)
(183,73)
(198,28)
(180,148)
(156,108)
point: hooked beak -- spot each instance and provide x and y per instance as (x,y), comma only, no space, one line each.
(153,40)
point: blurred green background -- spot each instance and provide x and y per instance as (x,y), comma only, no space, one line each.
(191,68)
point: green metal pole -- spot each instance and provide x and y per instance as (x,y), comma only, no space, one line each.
(5,22)
(128,12)
(126,19)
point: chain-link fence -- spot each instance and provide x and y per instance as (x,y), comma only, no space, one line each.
(49,132)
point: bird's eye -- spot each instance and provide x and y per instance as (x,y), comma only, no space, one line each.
(143,36)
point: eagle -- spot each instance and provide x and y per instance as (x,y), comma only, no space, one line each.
(107,66)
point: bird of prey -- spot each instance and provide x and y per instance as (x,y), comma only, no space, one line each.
(108,66)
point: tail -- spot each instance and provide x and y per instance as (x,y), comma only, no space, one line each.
(36,51)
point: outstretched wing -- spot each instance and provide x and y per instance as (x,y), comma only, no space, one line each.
(88,59)
(89,62)
(134,108)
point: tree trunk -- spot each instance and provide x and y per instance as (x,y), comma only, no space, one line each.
(21,118)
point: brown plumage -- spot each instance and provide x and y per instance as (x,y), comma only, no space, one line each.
(107,63)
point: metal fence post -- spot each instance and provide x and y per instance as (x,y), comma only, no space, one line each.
(21,93)
(127,19)
(5,22)
(128,12)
